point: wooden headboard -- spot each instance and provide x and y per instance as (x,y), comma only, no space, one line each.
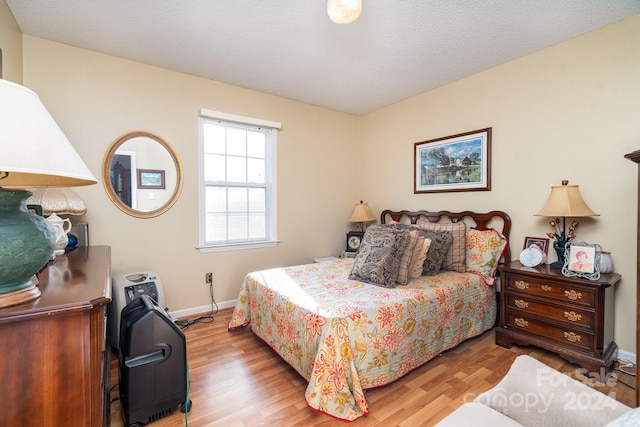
(497,220)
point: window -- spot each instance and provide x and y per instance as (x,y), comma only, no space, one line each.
(237,194)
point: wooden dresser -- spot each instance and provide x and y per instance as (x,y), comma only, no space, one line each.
(567,315)
(54,363)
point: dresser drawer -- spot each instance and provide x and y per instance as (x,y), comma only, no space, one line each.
(570,337)
(557,291)
(555,313)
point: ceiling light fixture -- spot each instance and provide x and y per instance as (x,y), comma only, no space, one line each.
(344,11)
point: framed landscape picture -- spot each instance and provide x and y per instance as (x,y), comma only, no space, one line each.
(453,163)
(151,179)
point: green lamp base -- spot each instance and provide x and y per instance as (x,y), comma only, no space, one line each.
(18,297)
(26,243)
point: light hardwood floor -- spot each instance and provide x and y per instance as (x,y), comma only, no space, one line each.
(236,380)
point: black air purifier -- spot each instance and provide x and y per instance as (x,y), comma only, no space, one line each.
(152,363)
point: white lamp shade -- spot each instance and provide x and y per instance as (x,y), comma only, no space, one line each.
(34,152)
(62,201)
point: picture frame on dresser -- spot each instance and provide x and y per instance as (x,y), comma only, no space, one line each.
(582,260)
(541,242)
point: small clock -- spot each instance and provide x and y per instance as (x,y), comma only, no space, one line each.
(354,238)
(532,256)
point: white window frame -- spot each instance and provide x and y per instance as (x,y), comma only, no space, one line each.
(272,240)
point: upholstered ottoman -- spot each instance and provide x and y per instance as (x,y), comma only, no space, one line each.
(534,394)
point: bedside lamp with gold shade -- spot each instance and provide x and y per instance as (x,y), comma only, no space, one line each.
(361,214)
(34,152)
(565,201)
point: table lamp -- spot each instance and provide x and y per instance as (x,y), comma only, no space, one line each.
(56,202)
(564,201)
(34,152)
(362,214)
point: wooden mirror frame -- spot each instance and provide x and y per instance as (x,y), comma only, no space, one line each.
(106,176)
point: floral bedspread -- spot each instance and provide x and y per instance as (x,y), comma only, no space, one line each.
(345,336)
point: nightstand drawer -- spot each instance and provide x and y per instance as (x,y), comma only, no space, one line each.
(568,336)
(566,314)
(560,292)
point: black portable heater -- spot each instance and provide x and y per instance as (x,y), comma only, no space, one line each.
(152,363)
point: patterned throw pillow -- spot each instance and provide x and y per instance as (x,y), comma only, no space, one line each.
(378,258)
(440,244)
(484,250)
(454,259)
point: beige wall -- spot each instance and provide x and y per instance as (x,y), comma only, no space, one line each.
(567,112)
(96,98)
(571,111)
(11,45)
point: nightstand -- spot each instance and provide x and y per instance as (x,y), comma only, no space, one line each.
(567,315)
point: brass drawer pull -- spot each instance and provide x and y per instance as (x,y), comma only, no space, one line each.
(521,322)
(572,337)
(521,284)
(572,315)
(573,295)
(546,288)
(520,303)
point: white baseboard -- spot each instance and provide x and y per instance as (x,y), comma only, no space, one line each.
(625,355)
(203,309)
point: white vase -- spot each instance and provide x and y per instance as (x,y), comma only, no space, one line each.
(606,262)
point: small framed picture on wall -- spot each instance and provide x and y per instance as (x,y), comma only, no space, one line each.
(151,179)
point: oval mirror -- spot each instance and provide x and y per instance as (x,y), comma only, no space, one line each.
(142,174)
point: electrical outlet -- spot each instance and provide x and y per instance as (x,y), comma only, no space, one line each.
(208,278)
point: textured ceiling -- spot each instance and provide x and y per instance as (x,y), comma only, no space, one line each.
(290,48)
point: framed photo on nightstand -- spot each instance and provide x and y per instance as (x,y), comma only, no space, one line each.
(582,260)
(541,242)
(354,239)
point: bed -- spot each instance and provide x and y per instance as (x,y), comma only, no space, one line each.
(345,335)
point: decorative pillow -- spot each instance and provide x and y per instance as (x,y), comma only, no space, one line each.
(484,250)
(405,258)
(378,258)
(455,258)
(440,244)
(418,257)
